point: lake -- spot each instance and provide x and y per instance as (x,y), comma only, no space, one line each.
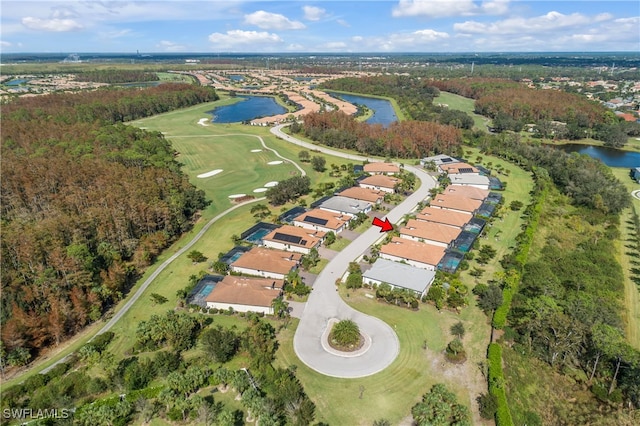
(16,82)
(609,156)
(249,108)
(383,112)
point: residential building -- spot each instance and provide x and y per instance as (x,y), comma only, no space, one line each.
(467,191)
(457,168)
(430,232)
(345,205)
(244,294)
(266,262)
(399,275)
(381,168)
(380,183)
(635,174)
(363,194)
(420,255)
(293,238)
(323,220)
(445,217)
(455,203)
(470,179)
(438,160)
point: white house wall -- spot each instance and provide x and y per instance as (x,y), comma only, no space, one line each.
(258,273)
(286,247)
(268,310)
(408,261)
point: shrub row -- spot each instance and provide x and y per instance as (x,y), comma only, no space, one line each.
(496,385)
(524,239)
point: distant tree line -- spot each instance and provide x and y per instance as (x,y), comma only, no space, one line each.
(116,76)
(585,180)
(86,205)
(407,139)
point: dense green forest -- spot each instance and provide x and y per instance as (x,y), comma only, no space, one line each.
(117,76)
(406,139)
(159,377)
(87,203)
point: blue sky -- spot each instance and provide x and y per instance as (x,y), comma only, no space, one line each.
(319,26)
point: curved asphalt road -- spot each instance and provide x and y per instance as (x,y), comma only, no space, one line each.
(324,302)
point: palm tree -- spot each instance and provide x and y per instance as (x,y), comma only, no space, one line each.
(280,307)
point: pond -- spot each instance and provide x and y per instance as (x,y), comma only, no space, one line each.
(235,77)
(247,109)
(609,156)
(383,112)
(16,82)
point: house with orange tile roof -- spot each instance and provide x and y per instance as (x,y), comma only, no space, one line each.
(414,253)
(363,194)
(445,217)
(381,168)
(293,238)
(245,294)
(323,220)
(455,203)
(467,191)
(380,183)
(266,262)
(430,232)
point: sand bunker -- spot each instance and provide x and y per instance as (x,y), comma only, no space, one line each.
(237,195)
(271,184)
(273,163)
(260,190)
(256,150)
(209,174)
(203,121)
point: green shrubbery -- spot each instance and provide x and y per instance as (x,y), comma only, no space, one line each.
(496,386)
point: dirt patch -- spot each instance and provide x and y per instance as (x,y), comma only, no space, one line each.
(242,199)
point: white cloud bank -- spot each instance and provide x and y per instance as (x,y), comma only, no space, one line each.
(448,8)
(272,21)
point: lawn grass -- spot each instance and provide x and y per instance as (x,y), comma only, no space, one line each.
(627,231)
(461,103)
(175,77)
(340,243)
(319,267)
(502,232)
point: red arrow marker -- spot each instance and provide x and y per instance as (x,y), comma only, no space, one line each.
(385,226)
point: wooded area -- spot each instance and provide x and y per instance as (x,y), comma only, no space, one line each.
(117,76)
(407,139)
(86,205)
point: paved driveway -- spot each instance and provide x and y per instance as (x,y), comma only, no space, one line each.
(325,304)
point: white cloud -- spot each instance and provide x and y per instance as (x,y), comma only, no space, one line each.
(312,13)
(52,25)
(343,23)
(553,32)
(239,39)
(5,43)
(445,8)
(272,21)
(169,46)
(426,40)
(551,21)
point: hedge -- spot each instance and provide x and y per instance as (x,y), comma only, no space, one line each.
(496,385)
(525,239)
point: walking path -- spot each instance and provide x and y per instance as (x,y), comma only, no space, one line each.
(324,303)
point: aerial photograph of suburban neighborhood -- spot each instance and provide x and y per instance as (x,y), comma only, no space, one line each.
(344,213)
